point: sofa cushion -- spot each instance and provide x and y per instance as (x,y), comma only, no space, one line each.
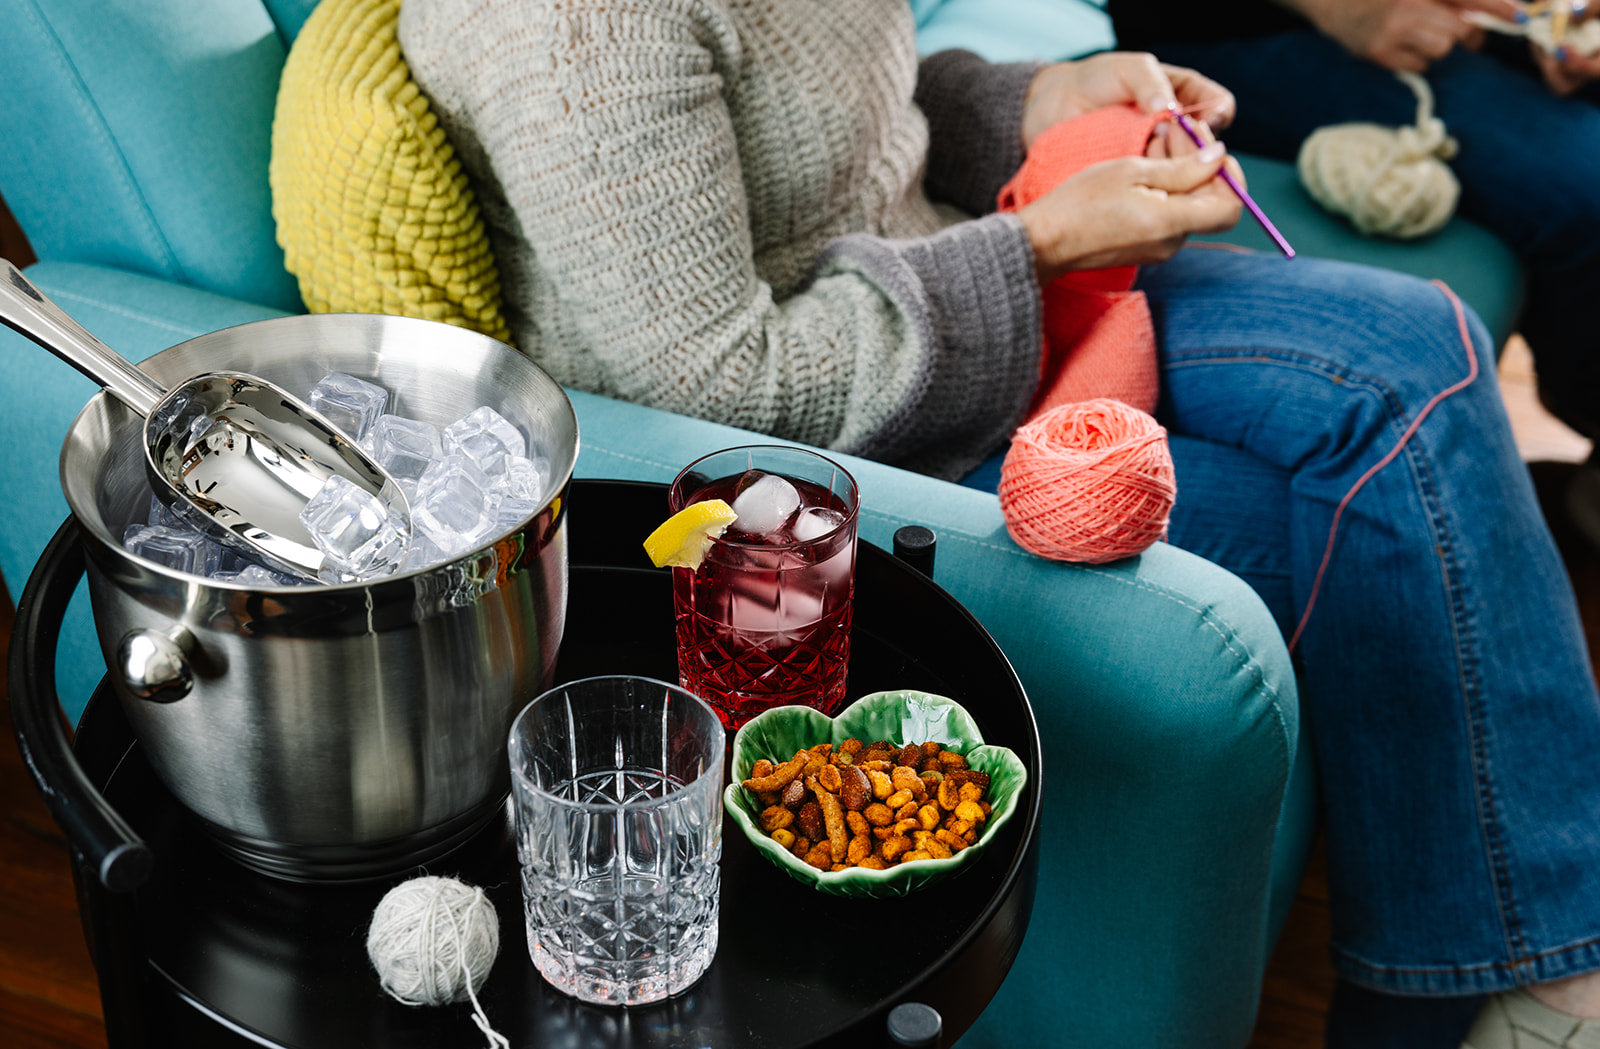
(374,212)
(136,136)
(1478,266)
(289,15)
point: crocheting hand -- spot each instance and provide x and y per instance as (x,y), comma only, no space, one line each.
(1570,65)
(1130,211)
(1402,35)
(1113,78)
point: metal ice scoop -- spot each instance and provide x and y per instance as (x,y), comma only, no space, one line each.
(231,453)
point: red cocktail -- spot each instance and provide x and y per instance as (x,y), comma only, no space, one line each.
(765,620)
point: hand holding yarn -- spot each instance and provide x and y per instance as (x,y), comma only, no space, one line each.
(432,941)
(1090,481)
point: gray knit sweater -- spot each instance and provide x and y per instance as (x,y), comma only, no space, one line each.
(717,207)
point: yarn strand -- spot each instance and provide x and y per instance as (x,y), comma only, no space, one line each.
(495,1040)
(1333,527)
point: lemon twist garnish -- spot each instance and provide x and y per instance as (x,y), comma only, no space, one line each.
(683,539)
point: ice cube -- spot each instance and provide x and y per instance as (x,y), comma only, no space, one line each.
(523,478)
(486,437)
(180,548)
(353,528)
(179,514)
(765,505)
(181,517)
(159,513)
(351,404)
(404,447)
(455,505)
(521,489)
(816,521)
(424,553)
(230,560)
(255,575)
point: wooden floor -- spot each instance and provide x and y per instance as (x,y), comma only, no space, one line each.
(48,995)
(49,998)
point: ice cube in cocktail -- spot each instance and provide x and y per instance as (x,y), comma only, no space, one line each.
(765,620)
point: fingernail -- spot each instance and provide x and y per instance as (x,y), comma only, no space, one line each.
(1561,54)
(1522,17)
(1211,151)
(1157,104)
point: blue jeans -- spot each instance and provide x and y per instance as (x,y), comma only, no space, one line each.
(1527,164)
(1443,671)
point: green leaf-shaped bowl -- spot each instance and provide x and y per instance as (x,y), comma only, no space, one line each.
(901,717)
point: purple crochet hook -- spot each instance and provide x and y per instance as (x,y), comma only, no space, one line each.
(1183,121)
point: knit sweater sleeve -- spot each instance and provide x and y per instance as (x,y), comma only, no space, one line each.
(605,128)
(974,112)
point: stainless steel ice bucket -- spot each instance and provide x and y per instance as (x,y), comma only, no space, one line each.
(332,732)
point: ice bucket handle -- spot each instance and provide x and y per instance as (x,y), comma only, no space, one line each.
(108,845)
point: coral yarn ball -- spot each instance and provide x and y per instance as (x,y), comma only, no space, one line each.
(1089,482)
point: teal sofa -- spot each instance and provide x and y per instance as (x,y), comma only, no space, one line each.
(1178,810)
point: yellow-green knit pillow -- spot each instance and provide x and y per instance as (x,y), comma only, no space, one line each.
(373,210)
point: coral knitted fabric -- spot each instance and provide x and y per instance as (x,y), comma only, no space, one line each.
(374,213)
(1099,339)
(1089,477)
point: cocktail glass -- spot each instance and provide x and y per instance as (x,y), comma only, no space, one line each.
(765,620)
(616,784)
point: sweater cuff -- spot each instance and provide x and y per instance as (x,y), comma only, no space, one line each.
(974,113)
(970,300)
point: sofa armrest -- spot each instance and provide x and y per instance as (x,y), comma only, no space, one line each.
(1168,712)
(136,316)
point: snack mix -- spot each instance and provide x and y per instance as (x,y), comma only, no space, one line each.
(870,805)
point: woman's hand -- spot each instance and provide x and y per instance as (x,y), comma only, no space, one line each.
(1132,210)
(1570,71)
(1069,89)
(1407,36)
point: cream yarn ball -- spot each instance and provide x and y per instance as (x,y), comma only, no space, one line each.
(433,940)
(1392,182)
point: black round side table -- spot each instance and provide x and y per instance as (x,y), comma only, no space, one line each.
(207,953)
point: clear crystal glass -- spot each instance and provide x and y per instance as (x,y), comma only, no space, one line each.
(617,785)
(765,620)
(353,405)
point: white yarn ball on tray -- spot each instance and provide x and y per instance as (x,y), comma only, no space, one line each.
(433,941)
(1393,182)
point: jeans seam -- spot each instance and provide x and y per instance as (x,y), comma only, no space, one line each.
(1510,965)
(1471,699)
(1513,932)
